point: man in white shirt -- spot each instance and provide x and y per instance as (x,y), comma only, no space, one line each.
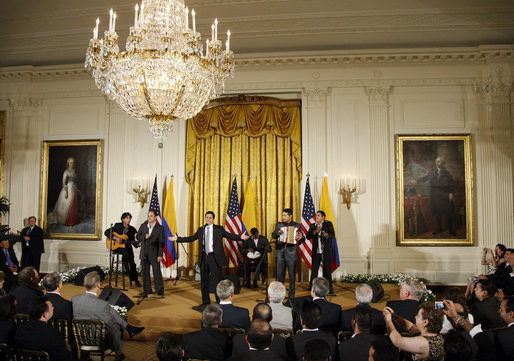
(282,315)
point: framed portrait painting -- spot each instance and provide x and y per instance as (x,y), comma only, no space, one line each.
(434,187)
(71,189)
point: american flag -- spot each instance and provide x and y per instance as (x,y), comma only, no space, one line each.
(154,203)
(308,214)
(234,224)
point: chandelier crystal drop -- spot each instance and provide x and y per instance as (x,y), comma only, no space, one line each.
(164,75)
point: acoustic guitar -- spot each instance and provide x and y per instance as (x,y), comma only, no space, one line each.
(120,243)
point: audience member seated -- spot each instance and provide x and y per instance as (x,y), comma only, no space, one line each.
(455,295)
(233,316)
(2,281)
(27,290)
(310,320)
(168,348)
(457,347)
(408,305)
(278,345)
(259,338)
(364,295)
(383,350)
(7,326)
(428,346)
(485,308)
(330,312)
(282,315)
(317,350)
(8,264)
(52,283)
(505,339)
(88,307)
(356,348)
(503,275)
(208,343)
(36,334)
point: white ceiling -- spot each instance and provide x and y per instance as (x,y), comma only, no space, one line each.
(36,32)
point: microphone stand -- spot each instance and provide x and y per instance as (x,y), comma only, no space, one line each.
(110,256)
(266,299)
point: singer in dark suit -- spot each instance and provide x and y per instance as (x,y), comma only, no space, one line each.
(287,254)
(322,232)
(259,243)
(32,246)
(211,255)
(151,237)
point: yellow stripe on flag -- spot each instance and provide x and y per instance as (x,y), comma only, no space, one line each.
(249,218)
(325,206)
(169,209)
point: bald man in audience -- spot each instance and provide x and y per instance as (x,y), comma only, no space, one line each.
(364,295)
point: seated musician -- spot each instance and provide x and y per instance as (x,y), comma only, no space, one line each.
(254,248)
(123,235)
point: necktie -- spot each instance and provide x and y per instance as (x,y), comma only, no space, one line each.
(8,258)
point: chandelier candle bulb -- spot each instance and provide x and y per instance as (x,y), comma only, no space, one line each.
(212,32)
(187,18)
(135,16)
(114,22)
(110,20)
(216,29)
(194,21)
(228,41)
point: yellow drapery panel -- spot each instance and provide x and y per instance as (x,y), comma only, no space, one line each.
(244,136)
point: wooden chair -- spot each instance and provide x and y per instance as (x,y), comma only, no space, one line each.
(20,318)
(27,355)
(4,353)
(343,336)
(284,332)
(61,325)
(231,331)
(90,336)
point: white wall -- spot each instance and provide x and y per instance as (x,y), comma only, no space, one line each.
(352,106)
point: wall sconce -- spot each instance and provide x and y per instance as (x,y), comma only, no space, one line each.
(346,188)
(141,189)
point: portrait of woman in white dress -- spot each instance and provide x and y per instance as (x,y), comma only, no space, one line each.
(65,211)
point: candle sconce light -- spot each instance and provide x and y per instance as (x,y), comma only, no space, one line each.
(141,190)
(347,187)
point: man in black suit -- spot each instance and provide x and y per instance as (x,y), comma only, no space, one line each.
(241,349)
(310,320)
(37,335)
(9,264)
(127,253)
(485,309)
(504,339)
(287,253)
(233,316)
(168,348)
(364,295)
(330,312)
(408,305)
(33,245)
(208,343)
(256,243)
(322,232)
(259,339)
(211,255)
(52,283)
(317,350)
(27,290)
(151,238)
(356,348)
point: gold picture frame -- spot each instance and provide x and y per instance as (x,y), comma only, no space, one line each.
(434,189)
(71,189)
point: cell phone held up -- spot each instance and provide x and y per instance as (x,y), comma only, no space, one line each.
(439,305)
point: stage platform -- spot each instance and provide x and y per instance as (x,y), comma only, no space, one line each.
(174,312)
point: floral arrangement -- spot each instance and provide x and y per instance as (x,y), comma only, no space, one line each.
(122,311)
(70,275)
(396,278)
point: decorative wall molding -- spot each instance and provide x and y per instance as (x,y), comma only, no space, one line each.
(27,106)
(495,89)
(378,94)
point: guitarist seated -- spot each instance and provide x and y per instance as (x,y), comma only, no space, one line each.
(123,236)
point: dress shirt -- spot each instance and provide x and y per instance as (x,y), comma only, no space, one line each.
(150,228)
(225,302)
(208,239)
(92,293)
(320,249)
(310,329)
(55,292)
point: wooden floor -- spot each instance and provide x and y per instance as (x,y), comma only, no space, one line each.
(174,313)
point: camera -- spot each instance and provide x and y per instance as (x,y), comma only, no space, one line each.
(439,305)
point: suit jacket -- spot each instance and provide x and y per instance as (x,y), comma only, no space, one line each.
(263,355)
(37,335)
(7,331)
(241,349)
(408,309)
(282,316)
(235,317)
(36,244)
(152,247)
(88,307)
(378,326)
(206,344)
(10,278)
(296,344)
(218,232)
(330,316)
(486,313)
(326,242)
(24,295)
(62,307)
(505,344)
(357,347)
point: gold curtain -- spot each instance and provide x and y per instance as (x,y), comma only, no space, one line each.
(244,136)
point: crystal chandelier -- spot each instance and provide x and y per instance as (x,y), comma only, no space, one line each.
(164,75)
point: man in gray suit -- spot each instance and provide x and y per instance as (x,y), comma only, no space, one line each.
(287,253)
(88,307)
(151,237)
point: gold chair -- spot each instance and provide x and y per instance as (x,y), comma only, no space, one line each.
(284,332)
(27,355)
(231,331)
(20,318)
(90,336)
(61,325)
(343,336)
